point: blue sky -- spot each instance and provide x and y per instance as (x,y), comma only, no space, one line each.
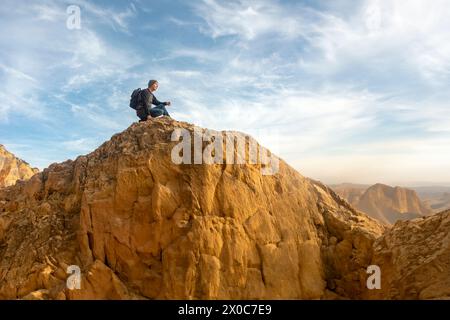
(344,91)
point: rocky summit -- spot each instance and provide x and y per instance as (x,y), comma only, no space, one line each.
(13,168)
(127,222)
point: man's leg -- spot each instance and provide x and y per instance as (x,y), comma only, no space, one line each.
(141,114)
(162,107)
(156,112)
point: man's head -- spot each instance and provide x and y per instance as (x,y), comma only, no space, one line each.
(153,85)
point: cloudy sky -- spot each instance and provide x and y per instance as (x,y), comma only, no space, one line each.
(344,91)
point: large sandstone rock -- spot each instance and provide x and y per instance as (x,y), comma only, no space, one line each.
(140,226)
(414,257)
(13,169)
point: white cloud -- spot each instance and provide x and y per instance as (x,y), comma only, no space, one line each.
(185,73)
(83,145)
(431,115)
(181,23)
(69,60)
(93,59)
(247,19)
(17,73)
(117,20)
(48,12)
(201,55)
(97,115)
(384,34)
(25,105)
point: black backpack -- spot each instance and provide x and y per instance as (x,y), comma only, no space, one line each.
(135,99)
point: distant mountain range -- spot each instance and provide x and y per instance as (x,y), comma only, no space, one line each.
(385,203)
(438,198)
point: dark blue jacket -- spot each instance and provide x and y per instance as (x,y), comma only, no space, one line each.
(146,101)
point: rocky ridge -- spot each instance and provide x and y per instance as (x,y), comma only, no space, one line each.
(13,168)
(142,227)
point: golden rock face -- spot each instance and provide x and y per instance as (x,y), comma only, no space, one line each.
(139,226)
(13,169)
(415,255)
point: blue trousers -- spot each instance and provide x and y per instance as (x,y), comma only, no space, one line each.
(159,110)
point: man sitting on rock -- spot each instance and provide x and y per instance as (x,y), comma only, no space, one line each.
(145,110)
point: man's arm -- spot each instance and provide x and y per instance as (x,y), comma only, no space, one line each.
(157,102)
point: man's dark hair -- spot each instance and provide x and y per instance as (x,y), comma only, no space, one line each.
(151,82)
